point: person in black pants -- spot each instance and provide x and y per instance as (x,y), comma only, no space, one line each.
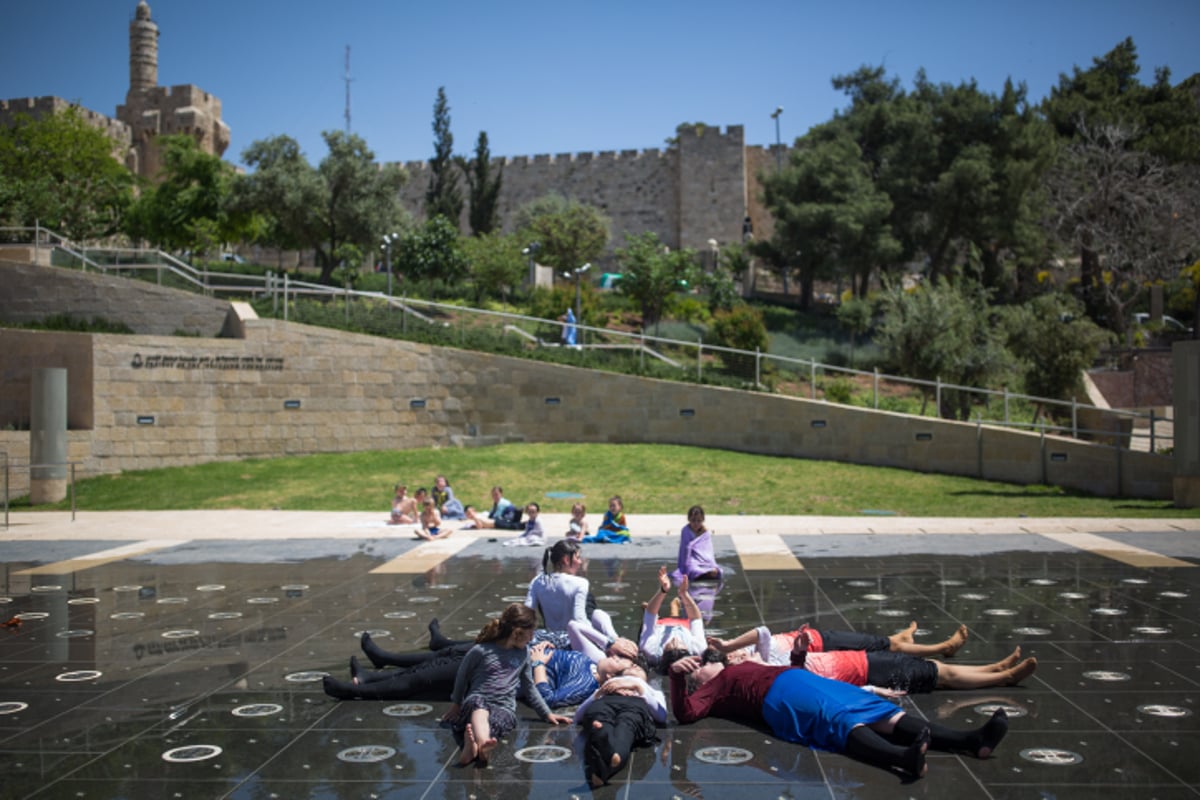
(429,673)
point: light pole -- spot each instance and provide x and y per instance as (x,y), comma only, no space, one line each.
(388,239)
(532,251)
(778,142)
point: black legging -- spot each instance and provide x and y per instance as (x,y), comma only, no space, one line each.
(434,675)
(902,747)
(625,722)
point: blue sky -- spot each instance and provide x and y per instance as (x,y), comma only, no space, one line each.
(558,77)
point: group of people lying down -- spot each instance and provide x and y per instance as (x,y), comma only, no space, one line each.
(822,688)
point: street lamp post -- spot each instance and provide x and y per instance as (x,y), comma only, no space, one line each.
(388,239)
(778,141)
(578,274)
(532,251)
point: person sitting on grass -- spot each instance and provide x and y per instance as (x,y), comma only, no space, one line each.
(504,515)
(404,508)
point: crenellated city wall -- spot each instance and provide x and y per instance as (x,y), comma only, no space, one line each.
(700,188)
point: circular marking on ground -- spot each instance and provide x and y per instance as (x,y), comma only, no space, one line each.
(951,582)
(78,675)
(543,754)
(525,585)
(211,587)
(445,587)
(893,612)
(1173,595)
(972,596)
(5,601)
(1105,675)
(1135,581)
(377,633)
(26,616)
(1158,710)
(494,614)
(515,598)
(426,599)
(294,587)
(878,597)
(1043,582)
(83,601)
(987,709)
(604,598)
(193,752)
(366,754)
(716,612)
(171,601)
(13,707)
(261,601)
(866,584)
(1072,595)
(182,633)
(723,755)
(1052,757)
(127,587)
(225,615)
(309,676)
(611,585)
(407,709)
(257,710)
(46,587)
(404,614)
(127,615)
(1151,630)
(1108,612)
(1030,631)
(1000,612)
(78,633)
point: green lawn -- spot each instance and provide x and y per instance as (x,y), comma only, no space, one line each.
(652,479)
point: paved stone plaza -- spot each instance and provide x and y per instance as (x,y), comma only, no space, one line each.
(179,655)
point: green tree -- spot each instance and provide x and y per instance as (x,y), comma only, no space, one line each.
(443,196)
(651,272)
(359,200)
(1054,342)
(570,233)
(944,332)
(60,172)
(854,315)
(284,190)
(496,263)
(483,189)
(189,208)
(1106,108)
(431,252)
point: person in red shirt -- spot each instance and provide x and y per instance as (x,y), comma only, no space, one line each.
(801,707)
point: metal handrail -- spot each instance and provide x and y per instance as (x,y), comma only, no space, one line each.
(273,285)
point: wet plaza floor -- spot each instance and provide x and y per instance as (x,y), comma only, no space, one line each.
(194,671)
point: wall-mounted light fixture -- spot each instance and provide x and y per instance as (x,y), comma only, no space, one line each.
(924,437)
(818,423)
(416,403)
(291,403)
(553,401)
(687,412)
(145,419)
(1058,456)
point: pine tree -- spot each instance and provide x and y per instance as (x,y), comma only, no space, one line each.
(484,190)
(443,197)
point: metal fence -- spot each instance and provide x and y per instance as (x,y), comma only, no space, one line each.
(281,296)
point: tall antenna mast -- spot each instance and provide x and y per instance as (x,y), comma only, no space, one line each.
(348,79)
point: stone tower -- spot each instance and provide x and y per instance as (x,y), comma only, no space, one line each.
(143,51)
(152,111)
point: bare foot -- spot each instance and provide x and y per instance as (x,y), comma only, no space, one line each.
(955,642)
(596,724)
(615,761)
(906,635)
(1022,671)
(1010,660)
(485,750)
(470,750)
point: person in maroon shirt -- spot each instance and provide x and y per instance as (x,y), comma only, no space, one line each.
(801,707)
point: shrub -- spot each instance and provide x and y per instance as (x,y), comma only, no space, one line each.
(741,329)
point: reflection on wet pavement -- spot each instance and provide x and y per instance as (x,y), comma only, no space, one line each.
(184,672)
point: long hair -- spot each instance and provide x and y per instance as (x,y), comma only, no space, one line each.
(517,615)
(557,553)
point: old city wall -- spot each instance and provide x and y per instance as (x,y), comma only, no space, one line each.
(689,193)
(291,389)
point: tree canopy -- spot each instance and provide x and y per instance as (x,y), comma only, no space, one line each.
(443,196)
(59,172)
